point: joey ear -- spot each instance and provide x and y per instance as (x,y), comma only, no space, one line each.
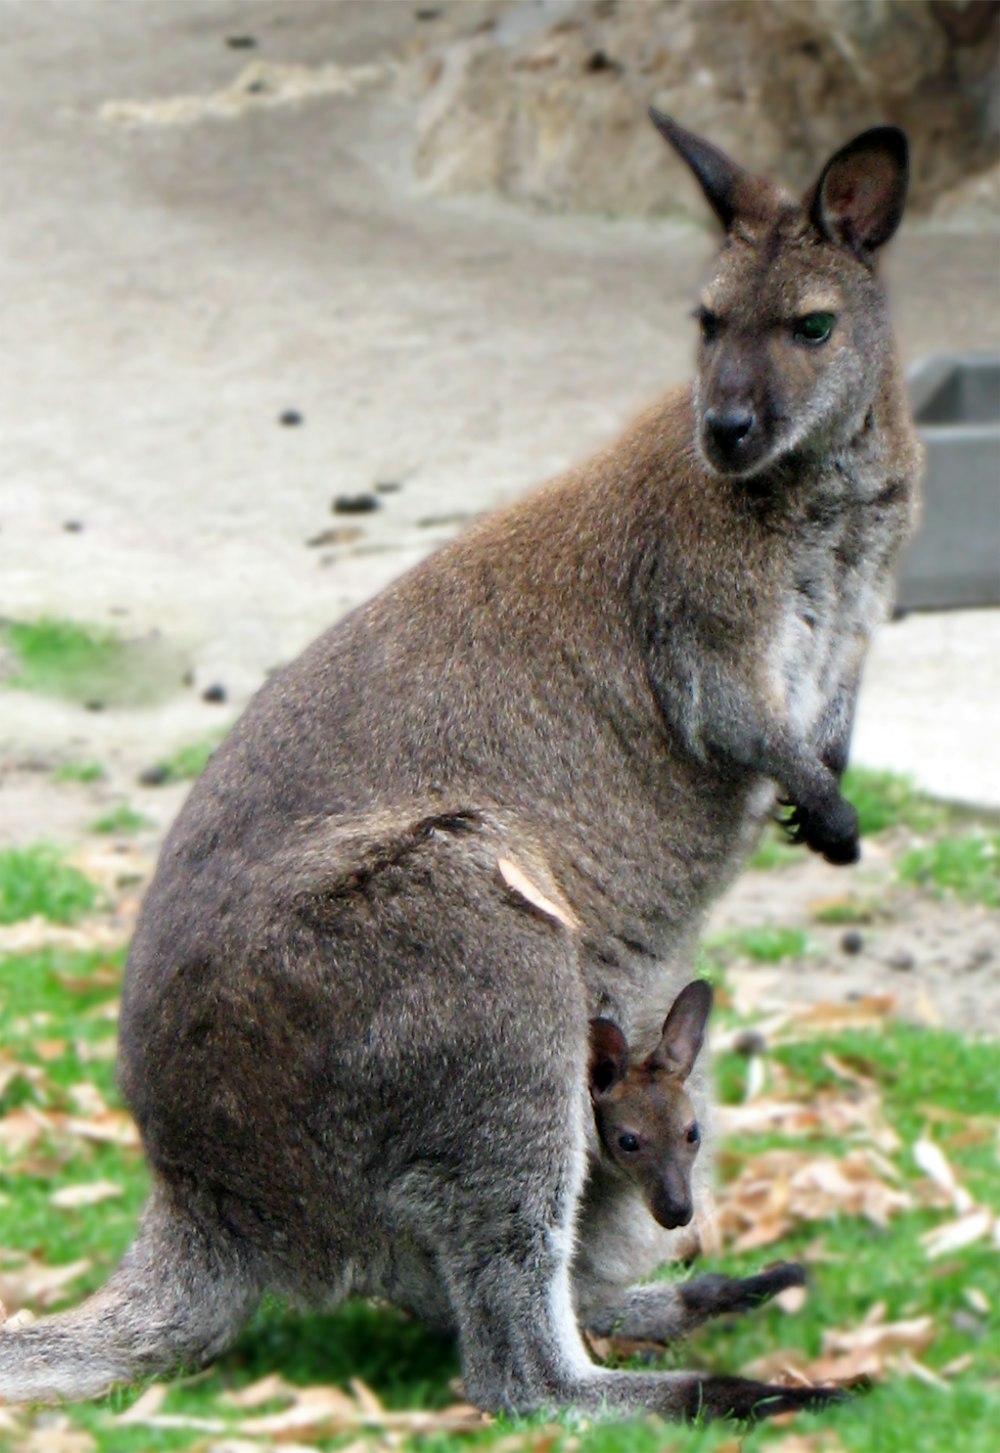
(608,1056)
(684,1027)
(859,198)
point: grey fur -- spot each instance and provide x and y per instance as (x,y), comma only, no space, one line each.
(355,1044)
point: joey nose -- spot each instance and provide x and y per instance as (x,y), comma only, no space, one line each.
(671,1211)
(726,429)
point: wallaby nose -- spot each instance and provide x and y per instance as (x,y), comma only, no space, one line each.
(725,428)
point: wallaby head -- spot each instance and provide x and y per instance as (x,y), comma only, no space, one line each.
(646,1123)
(793,320)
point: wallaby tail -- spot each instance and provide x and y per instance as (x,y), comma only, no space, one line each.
(180,1295)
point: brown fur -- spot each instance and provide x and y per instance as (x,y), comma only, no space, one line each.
(646,1124)
(356,1051)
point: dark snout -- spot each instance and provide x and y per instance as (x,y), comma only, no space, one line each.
(671,1209)
(729,439)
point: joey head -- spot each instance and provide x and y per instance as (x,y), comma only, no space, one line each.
(646,1124)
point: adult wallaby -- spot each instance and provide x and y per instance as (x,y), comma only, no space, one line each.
(645,1122)
(491,804)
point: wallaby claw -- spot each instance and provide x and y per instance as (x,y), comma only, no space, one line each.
(832,831)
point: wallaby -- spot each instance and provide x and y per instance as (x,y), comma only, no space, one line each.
(646,1124)
(492,804)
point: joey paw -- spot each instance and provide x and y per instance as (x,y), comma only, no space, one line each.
(716,1294)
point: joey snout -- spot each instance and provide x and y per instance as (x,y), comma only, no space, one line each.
(670,1203)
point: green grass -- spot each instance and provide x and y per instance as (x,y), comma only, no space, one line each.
(82,772)
(967,866)
(766,945)
(122,819)
(886,799)
(90,664)
(927,1078)
(774,851)
(187,762)
(35,879)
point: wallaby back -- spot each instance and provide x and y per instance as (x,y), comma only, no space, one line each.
(355,1042)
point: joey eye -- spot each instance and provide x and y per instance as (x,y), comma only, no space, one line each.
(693,1136)
(628,1142)
(710,324)
(813,328)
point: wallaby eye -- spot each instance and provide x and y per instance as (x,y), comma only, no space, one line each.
(710,323)
(694,1135)
(628,1142)
(813,328)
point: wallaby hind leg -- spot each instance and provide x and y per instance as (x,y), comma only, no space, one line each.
(179,1296)
(521,1349)
(505,1256)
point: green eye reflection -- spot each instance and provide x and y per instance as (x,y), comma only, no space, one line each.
(813,327)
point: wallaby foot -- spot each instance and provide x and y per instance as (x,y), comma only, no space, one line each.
(522,1351)
(740,1397)
(664,1311)
(177,1299)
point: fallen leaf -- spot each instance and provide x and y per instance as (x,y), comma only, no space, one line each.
(70,1197)
(33,1282)
(57,1435)
(264,1390)
(825,1442)
(962,1232)
(251,1445)
(782,1188)
(958,1365)
(792,1299)
(313,1407)
(933,1162)
(150,1402)
(88,1099)
(101,976)
(978,1300)
(114,1127)
(49,1049)
(869,1009)
(914,1335)
(29,935)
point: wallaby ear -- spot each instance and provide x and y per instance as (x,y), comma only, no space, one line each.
(719,177)
(684,1027)
(859,198)
(608,1056)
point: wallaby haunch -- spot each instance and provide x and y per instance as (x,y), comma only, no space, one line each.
(646,1125)
(492,804)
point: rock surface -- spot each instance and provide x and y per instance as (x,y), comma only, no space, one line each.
(546,103)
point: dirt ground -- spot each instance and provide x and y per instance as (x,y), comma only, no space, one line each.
(177,278)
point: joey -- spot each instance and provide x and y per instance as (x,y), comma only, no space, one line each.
(646,1124)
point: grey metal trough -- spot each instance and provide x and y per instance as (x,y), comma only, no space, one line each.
(955,558)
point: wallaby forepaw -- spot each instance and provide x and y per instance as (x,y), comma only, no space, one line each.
(832,830)
(742,1398)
